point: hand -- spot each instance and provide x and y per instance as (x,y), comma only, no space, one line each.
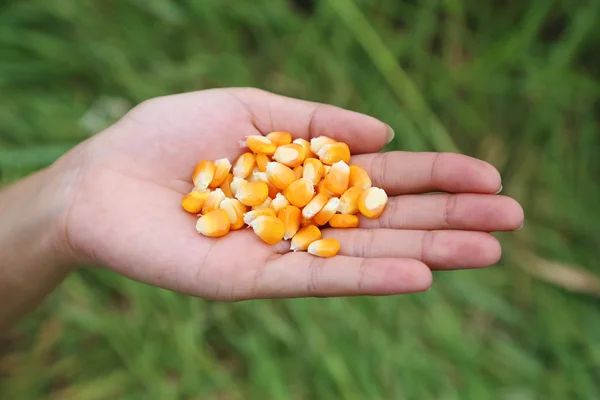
(125,213)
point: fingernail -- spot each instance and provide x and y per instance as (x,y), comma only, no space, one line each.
(499,190)
(521,227)
(390,134)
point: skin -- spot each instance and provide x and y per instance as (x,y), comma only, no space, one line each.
(114,202)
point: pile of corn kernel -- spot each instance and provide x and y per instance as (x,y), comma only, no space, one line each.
(284,190)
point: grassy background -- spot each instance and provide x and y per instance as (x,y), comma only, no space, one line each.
(513,82)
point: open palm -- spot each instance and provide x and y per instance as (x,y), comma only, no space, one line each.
(126,214)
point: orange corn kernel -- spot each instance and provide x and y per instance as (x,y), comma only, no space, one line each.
(326,169)
(261,162)
(226,186)
(298,171)
(252,193)
(290,155)
(262,176)
(244,165)
(359,177)
(280,138)
(203,174)
(258,212)
(222,168)
(306,146)
(321,189)
(305,221)
(317,143)
(236,183)
(259,144)
(279,202)
(214,224)
(372,202)
(279,175)
(265,204)
(269,229)
(305,237)
(343,221)
(349,200)
(327,212)
(336,181)
(313,170)
(328,247)
(213,201)
(300,192)
(315,205)
(333,152)
(193,201)
(235,210)
(290,216)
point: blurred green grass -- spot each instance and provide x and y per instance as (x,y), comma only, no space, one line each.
(514,83)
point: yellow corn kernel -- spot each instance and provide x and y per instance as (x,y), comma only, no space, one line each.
(300,192)
(290,155)
(372,202)
(326,169)
(265,204)
(235,210)
(305,237)
(262,176)
(222,168)
(317,143)
(306,146)
(213,201)
(343,221)
(279,175)
(336,181)
(359,177)
(349,200)
(290,216)
(269,229)
(244,165)
(259,144)
(298,171)
(253,214)
(261,162)
(214,224)
(334,152)
(327,212)
(313,170)
(279,202)
(280,138)
(321,189)
(252,193)
(305,221)
(328,247)
(226,186)
(203,174)
(236,183)
(193,201)
(315,205)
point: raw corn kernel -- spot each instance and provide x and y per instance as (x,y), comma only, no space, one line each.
(349,200)
(279,202)
(226,186)
(252,193)
(372,202)
(279,175)
(265,204)
(326,169)
(203,174)
(300,192)
(244,165)
(305,237)
(334,152)
(328,247)
(359,177)
(253,214)
(222,168)
(313,170)
(321,189)
(236,183)
(259,144)
(315,205)
(298,171)
(343,221)
(280,138)
(193,201)
(317,143)
(235,210)
(261,162)
(290,155)
(269,229)
(214,224)
(305,221)
(336,181)
(213,201)
(290,216)
(327,212)
(262,176)
(306,146)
